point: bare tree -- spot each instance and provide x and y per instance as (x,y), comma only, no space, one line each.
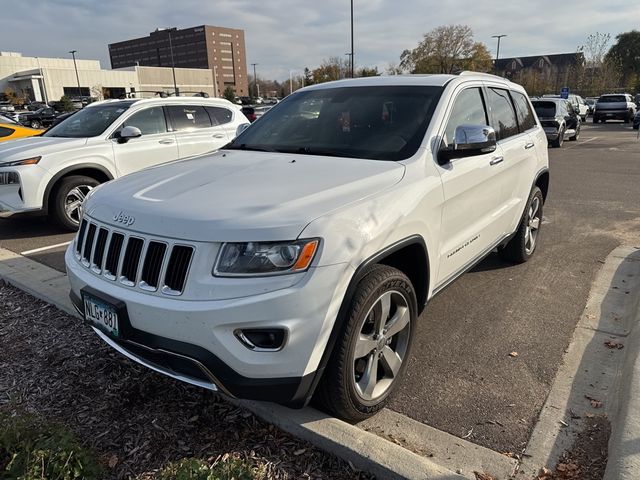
(446,49)
(595,49)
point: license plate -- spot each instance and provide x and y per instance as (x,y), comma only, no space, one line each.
(101,314)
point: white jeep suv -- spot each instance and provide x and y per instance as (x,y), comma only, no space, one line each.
(298,258)
(54,172)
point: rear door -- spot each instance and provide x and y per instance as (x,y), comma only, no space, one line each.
(518,150)
(472,190)
(155,146)
(195,132)
(222,118)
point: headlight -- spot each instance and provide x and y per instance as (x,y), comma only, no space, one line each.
(26,161)
(264,258)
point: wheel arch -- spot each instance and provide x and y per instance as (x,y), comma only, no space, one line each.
(396,255)
(542,182)
(92,170)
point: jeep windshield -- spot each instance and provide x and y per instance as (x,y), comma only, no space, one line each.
(373,122)
(544,109)
(89,122)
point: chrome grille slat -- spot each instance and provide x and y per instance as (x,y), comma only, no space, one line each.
(136,261)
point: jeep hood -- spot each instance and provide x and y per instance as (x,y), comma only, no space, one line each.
(22,148)
(238,195)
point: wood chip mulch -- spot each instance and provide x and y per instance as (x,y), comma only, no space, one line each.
(54,366)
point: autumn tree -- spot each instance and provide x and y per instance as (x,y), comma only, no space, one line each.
(447,49)
(368,72)
(600,73)
(625,53)
(334,68)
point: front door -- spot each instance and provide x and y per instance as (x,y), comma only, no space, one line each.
(155,146)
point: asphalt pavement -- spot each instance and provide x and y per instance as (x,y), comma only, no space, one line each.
(461,377)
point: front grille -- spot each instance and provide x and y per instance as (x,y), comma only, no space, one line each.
(148,264)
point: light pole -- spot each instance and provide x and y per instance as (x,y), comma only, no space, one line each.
(351,55)
(255,80)
(73,54)
(173,66)
(497,52)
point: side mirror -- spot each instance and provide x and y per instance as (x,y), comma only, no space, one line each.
(241,128)
(127,133)
(470,140)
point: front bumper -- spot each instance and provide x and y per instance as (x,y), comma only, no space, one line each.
(193,341)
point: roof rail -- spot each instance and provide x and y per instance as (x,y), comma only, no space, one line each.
(481,74)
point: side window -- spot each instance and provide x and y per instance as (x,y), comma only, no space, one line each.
(188,117)
(503,117)
(5,132)
(468,109)
(149,121)
(219,115)
(526,120)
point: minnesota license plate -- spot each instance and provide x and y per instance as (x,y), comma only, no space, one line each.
(101,314)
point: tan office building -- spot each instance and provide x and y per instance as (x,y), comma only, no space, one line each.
(221,50)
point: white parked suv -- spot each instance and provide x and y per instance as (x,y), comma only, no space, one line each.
(54,172)
(298,259)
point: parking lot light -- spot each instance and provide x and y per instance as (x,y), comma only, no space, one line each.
(75,66)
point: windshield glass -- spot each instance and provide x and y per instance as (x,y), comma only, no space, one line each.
(545,109)
(89,122)
(5,119)
(377,122)
(612,99)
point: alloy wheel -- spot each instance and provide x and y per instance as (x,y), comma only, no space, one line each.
(73,202)
(381,346)
(533,226)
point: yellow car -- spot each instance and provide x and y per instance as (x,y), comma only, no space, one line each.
(10,129)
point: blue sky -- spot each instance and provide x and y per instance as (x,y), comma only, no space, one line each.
(285,35)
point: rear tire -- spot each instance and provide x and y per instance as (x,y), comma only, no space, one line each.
(66,200)
(35,124)
(576,136)
(523,245)
(373,347)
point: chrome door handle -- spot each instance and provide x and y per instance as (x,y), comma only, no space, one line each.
(166,142)
(496,160)
(529,145)
(218,135)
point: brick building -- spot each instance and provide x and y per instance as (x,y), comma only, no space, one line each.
(220,49)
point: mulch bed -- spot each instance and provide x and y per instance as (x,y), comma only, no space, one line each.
(136,420)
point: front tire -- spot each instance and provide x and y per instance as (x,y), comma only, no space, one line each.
(576,135)
(35,124)
(372,350)
(523,245)
(67,198)
(557,143)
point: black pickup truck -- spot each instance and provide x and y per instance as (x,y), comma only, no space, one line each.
(614,107)
(43,117)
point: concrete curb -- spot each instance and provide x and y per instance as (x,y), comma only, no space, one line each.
(589,368)
(365,451)
(624,444)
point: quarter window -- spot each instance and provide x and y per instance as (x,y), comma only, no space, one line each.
(503,117)
(219,115)
(468,109)
(523,110)
(5,132)
(188,117)
(149,121)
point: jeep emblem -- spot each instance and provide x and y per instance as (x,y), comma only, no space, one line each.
(124,218)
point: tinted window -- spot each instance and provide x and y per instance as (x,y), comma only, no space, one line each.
(149,121)
(545,109)
(468,109)
(523,110)
(5,132)
(188,117)
(503,117)
(219,115)
(612,99)
(376,122)
(47,111)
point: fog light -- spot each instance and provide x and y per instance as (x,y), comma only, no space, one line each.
(9,178)
(262,339)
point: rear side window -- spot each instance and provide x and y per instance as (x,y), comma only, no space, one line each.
(188,117)
(220,115)
(5,132)
(503,117)
(526,120)
(468,109)
(149,121)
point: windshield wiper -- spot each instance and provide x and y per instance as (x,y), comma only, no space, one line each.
(251,148)
(317,151)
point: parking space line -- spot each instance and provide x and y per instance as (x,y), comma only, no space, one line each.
(42,249)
